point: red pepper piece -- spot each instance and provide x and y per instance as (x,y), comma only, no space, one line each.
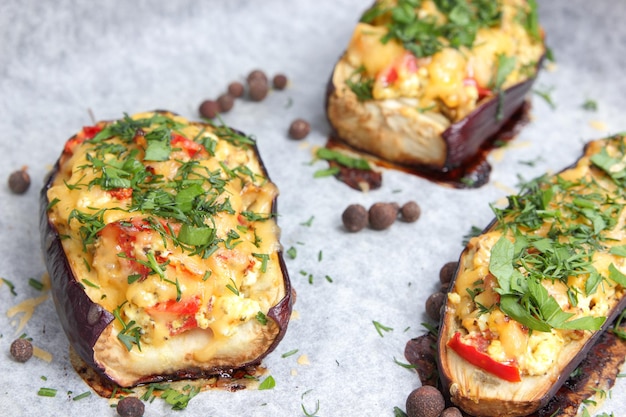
(192,148)
(482,360)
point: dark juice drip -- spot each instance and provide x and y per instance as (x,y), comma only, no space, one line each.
(474,172)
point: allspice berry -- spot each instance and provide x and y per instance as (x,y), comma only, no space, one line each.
(451,412)
(257,89)
(19,181)
(130,407)
(425,401)
(279,81)
(236,89)
(434,303)
(382,215)
(446,273)
(209,109)
(21,349)
(354,217)
(299,129)
(256,75)
(226,102)
(410,212)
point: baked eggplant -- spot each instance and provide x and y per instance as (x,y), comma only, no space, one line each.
(425,84)
(537,288)
(161,241)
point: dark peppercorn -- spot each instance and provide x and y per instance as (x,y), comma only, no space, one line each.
(130,407)
(225,102)
(447,272)
(257,89)
(279,81)
(299,129)
(256,75)
(236,89)
(21,350)
(354,217)
(451,412)
(209,109)
(410,212)
(434,304)
(382,215)
(19,181)
(425,401)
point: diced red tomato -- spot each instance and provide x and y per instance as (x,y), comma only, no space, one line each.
(125,236)
(121,193)
(192,148)
(482,91)
(183,310)
(406,63)
(88,132)
(475,354)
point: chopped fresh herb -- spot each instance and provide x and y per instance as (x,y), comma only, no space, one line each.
(38,285)
(342,159)
(327,172)
(473,232)
(397,412)
(360,85)
(292,252)
(81,396)
(233,287)
(380,328)
(177,399)
(261,318)
(89,283)
(311,413)
(319,256)
(404,365)
(267,383)
(545,95)
(131,333)
(328,278)
(309,222)
(590,105)
(264,257)
(290,353)
(47,392)
(10,285)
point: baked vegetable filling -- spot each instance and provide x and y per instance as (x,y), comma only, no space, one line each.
(446,56)
(548,272)
(169,225)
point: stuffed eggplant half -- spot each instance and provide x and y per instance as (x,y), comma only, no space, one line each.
(160,237)
(538,287)
(426,83)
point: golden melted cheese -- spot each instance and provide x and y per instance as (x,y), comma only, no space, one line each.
(475,295)
(126,244)
(453,80)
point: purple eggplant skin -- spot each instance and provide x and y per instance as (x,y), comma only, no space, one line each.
(83,320)
(465,138)
(504,407)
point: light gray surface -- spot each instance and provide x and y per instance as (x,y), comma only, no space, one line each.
(60,60)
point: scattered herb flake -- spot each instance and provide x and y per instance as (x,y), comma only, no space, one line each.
(380,328)
(267,383)
(47,392)
(10,285)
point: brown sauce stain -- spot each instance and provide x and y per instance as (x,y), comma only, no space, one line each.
(474,173)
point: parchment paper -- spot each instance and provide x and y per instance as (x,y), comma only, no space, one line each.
(62,61)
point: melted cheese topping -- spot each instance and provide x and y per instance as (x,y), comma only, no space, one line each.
(582,200)
(170,227)
(453,80)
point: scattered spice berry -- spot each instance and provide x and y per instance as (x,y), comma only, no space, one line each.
(410,212)
(434,304)
(425,401)
(256,75)
(209,109)
(446,273)
(236,89)
(451,412)
(354,217)
(257,89)
(382,215)
(225,102)
(279,81)
(21,350)
(130,407)
(299,129)
(19,181)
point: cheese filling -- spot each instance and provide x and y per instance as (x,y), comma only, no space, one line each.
(169,225)
(551,268)
(448,59)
